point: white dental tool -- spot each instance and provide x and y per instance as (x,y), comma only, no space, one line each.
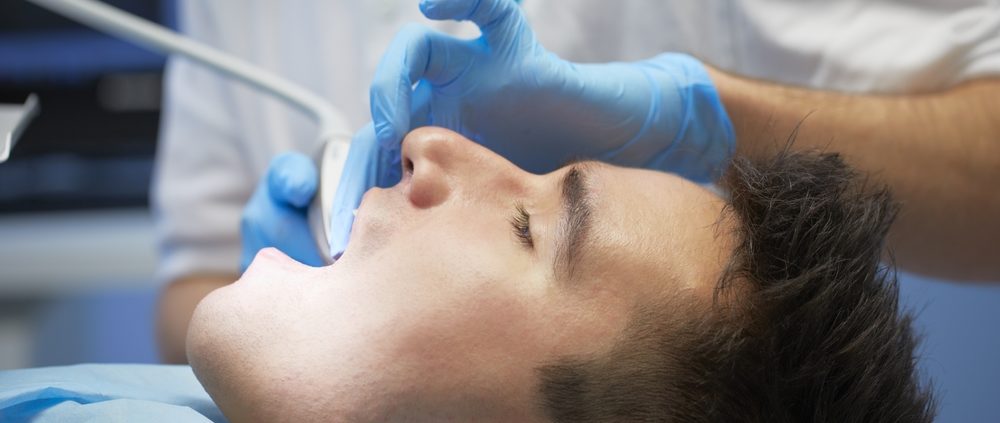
(14,119)
(332,145)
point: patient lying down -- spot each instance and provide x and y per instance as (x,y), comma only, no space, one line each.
(474,291)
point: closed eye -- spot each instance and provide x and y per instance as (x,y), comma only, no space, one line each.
(521,224)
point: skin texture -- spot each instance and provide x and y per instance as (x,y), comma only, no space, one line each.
(938,152)
(438,311)
(177,303)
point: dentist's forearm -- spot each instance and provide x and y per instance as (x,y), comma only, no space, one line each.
(939,153)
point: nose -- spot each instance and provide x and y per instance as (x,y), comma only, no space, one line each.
(440,163)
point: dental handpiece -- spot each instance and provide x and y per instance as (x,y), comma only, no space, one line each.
(333,144)
(330,160)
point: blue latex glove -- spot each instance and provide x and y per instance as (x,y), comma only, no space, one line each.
(367,166)
(508,93)
(276,213)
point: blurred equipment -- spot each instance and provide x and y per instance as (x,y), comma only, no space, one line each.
(76,240)
(333,146)
(92,145)
(14,120)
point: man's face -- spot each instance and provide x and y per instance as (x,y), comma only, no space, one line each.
(457,284)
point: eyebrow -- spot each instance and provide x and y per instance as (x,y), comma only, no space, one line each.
(577,211)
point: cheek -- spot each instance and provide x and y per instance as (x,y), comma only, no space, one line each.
(470,339)
(460,243)
(463,301)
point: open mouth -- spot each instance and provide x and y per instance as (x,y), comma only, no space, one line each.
(355,216)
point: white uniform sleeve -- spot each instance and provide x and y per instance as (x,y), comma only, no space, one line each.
(201,180)
(203,174)
(886,46)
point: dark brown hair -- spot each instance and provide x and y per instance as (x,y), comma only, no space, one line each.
(805,325)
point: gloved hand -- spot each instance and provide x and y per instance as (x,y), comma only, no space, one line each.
(506,92)
(276,213)
(367,166)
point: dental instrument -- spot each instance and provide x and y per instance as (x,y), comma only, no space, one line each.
(333,145)
(14,119)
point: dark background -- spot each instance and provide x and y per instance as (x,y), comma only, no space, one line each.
(92,145)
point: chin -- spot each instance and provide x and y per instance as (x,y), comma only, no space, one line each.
(205,341)
(216,351)
(216,340)
(246,379)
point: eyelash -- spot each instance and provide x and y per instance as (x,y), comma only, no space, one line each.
(521,223)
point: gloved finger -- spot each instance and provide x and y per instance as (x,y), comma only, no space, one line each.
(251,240)
(389,160)
(501,21)
(269,223)
(416,53)
(292,179)
(362,170)
(420,105)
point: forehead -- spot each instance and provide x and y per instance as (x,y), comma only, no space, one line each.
(654,232)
